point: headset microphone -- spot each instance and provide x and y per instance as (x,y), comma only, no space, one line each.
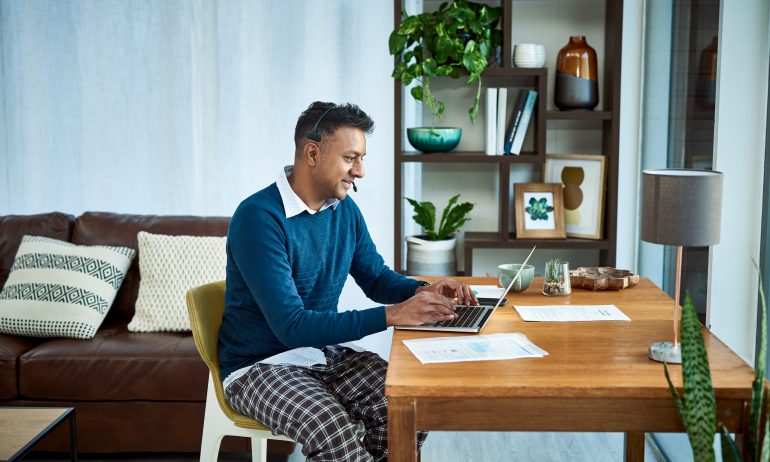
(313,134)
(355,188)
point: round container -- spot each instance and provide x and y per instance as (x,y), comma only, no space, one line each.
(434,139)
(508,271)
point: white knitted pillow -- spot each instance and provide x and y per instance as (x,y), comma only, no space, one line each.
(59,289)
(169,266)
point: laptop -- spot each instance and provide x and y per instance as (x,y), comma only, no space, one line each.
(469,318)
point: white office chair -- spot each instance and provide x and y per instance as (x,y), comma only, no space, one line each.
(206,305)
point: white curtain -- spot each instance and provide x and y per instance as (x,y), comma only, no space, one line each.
(184,106)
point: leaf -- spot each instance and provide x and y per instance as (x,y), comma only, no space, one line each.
(444,48)
(729,449)
(456,217)
(699,401)
(765,456)
(677,399)
(757,386)
(416,93)
(396,43)
(424,215)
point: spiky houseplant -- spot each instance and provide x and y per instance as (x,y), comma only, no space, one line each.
(697,408)
(455,38)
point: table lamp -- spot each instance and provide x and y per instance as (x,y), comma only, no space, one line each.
(680,207)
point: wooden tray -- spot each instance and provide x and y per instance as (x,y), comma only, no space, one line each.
(602,278)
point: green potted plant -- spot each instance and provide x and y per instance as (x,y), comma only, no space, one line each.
(433,253)
(454,40)
(697,406)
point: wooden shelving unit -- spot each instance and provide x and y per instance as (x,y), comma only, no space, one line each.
(537,78)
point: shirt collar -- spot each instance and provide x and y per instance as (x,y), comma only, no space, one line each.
(292,204)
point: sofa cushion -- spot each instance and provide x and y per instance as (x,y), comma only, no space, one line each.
(170,266)
(13,227)
(11,347)
(103,228)
(116,365)
(59,289)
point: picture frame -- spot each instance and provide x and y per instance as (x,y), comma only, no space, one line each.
(583,182)
(539,211)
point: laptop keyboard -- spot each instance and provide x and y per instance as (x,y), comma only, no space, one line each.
(465,316)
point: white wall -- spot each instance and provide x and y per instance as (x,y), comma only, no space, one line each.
(739,150)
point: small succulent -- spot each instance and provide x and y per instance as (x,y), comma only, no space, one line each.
(552,269)
(538,208)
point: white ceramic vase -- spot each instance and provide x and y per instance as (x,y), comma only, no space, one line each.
(430,258)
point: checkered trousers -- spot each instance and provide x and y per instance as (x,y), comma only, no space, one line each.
(337,411)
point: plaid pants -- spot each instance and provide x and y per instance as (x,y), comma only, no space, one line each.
(337,411)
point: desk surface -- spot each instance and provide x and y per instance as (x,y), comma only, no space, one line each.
(586,359)
(596,378)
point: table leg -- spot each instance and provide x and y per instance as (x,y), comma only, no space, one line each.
(73,438)
(402,430)
(634,447)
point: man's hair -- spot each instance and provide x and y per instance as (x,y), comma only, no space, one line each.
(344,115)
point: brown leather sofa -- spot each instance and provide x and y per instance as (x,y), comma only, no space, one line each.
(133,392)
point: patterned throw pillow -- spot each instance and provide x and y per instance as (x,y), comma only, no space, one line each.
(169,266)
(59,289)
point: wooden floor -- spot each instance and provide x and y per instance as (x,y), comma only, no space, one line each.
(457,447)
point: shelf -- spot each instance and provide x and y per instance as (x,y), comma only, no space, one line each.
(457,157)
(515,72)
(578,115)
(489,240)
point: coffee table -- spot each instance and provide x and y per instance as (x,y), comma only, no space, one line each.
(21,428)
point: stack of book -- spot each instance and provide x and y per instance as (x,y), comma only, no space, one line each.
(506,136)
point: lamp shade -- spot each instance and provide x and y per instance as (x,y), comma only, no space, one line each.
(681,207)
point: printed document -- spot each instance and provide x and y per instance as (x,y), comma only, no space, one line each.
(561,313)
(474,348)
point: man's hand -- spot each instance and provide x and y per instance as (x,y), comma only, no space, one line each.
(452,289)
(426,306)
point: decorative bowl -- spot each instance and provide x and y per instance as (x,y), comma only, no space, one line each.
(508,271)
(434,139)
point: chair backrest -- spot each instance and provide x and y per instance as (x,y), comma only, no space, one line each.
(206,305)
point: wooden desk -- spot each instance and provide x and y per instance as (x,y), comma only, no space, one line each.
(596,378)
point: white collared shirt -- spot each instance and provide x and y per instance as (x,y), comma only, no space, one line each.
(292,204)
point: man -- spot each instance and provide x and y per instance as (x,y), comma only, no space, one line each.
(290,248)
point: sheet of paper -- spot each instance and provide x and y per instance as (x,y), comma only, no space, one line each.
(568,313)
(474,348)
(487,291)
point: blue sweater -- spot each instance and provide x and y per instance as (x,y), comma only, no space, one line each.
(285,276)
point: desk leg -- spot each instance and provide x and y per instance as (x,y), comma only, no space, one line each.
(634,447)
(402,430)
(73,438)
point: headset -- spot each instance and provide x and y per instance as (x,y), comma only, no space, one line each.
(313,135)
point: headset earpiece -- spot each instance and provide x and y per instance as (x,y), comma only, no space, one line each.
(313,134)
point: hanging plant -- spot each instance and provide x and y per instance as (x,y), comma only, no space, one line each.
(455,39)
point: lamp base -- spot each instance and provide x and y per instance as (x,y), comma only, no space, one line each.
(665,352)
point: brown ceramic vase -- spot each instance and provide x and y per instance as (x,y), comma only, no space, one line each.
(577,86)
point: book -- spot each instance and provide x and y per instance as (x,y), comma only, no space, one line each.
(526,116)
(490,121)
(514,119)
(502,102)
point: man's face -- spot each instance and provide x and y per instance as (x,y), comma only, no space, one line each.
(340,163)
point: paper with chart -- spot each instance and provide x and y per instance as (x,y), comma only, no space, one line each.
(474,348)
(569,313)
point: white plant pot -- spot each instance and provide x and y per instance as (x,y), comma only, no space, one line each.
(430,258)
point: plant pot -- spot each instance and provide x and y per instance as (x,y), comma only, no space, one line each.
(430,258)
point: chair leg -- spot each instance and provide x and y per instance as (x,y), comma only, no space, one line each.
(210,443)
(258,449)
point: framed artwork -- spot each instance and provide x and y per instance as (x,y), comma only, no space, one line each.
(582,180)
(538,210)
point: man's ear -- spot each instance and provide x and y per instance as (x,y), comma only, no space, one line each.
(311,153)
